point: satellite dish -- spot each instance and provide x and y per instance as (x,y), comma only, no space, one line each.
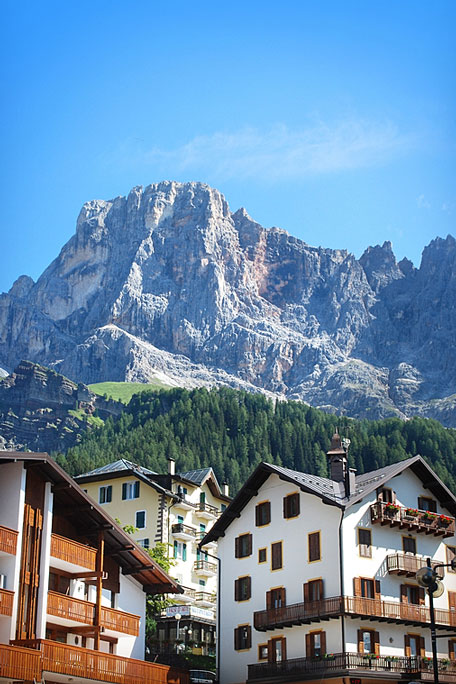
(438,591)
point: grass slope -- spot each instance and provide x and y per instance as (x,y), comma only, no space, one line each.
(123,391)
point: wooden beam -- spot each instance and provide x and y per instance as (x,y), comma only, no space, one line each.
(87,575)
(138,568)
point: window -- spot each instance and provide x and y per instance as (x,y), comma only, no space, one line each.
(105,494)
(202,583)
(242,588)
(365,543)
(263,513)
(180,519)
(180,550)
(414,645)
(450,554)
(409,545)
(144,543)
(276,556)
(426,504)
(242,638)
(140,520)
(291,505)
(313,542)
(452,649)
(315,644)
(130,490)
(368,641)
(243,545)
(278,649)
(386,495)
(367,588)
(262,555)
(313,590)
(276,598)
(262,651)
(59,583)
(412,595)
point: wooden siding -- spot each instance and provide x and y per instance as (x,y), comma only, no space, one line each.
(8,540)
(73,552)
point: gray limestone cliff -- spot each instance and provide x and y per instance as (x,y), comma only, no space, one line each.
(167,283)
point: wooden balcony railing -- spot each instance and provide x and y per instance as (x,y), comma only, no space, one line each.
(185,530)
(20,663)
(205,567)
(406,564)
(73,552)
(331,665)
(6,602)
(8,540)
(205,596)
(203,507)
(385,611)
(78,610)
(421,521)
(73,661)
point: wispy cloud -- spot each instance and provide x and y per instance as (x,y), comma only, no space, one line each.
(278,153)
(422,202)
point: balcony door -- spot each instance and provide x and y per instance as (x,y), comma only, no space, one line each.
(277,650)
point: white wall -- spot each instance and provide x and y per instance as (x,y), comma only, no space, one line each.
(132,599)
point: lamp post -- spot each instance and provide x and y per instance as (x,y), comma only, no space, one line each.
(177,618)
(429,578)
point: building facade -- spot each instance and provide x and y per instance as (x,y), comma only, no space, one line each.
(72,583)
(318,575)
(177,510)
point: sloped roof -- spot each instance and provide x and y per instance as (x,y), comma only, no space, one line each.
(90,517)
(198,477)
(330,491)
(116,467)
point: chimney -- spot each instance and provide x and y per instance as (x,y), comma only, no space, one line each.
(338,464)
(171,466)
(225,489)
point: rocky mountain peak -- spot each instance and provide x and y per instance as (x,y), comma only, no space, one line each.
(167,282)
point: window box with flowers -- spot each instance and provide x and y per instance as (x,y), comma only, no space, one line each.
(329,656)
(444,520)
(411,512)
(428,517)
(392,509)
(426,662)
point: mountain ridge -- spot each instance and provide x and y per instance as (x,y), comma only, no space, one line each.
(167,283)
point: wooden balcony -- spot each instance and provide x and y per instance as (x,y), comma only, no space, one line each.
(204,568)
(73,552)
(73,661)
(206,511)
(423,522)
(75,609)
(8,540)
(353,606)
(344,664)
(183,532)
(205,599)
(20,663)
(6,602)
(406,564)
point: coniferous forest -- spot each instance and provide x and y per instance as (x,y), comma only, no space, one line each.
(233,431)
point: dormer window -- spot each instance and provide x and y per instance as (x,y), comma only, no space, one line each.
(386,495)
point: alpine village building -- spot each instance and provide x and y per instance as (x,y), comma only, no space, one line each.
(176,509)
(72,584)
(317,575)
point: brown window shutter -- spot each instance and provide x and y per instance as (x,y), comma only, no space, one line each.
(236,639)
(376,643)
(285,506)
(236,547)
(407,645)
(357,586)
(450,649)
(422,649)
(270,651)
(276,553)
(421,596)
(268,600)
(360,641)
(420,503)
(249,637)
(320,589)
(378,593)
(323,642)
(249,545)
(308,646)
(284,648)
(236,590)
(257,515)
(284,597)
(404,598)
(249,587)
(393,497)
(306,592)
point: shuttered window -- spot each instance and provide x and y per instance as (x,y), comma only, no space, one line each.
(262,555)
(291,505)
(263,513)
(105,494)
(243,545)
(315,644)
(276,556)
(130,490)
(450,555)
(313,590)
(314,551)
(368,641)
(365,543)
(409,545)
(242,588)
(426,504)
(242,638)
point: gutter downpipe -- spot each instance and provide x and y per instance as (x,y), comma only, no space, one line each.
(217,635)
(341,578)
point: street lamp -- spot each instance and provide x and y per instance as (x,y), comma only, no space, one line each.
(177,618)
(429,578)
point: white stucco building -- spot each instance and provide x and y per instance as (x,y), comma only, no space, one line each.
(318,575)
(72,583)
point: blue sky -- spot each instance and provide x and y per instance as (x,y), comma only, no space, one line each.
(334,120)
